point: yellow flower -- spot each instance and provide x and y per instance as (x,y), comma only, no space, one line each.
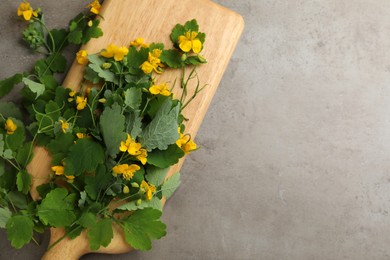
(58,170)
(81,135)
(95,7)
(149,190)
(70,178)
(64,126)
(131,146)
(189,42)
(160,89)
(185,143)
(114,51)
(26,11)
(82,57)
(10,126)
(153,62)
(126,170)
(139,42)
(81,102)
(142,157)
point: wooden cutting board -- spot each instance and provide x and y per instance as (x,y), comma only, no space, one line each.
(125,20)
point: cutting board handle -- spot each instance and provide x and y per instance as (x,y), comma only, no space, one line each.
(65,249)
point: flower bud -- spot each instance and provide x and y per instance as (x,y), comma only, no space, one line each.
(102,100)
(126,189)
(106,65)
(134,185)
(90,23)
(138,202)
(201,59)
(183,57)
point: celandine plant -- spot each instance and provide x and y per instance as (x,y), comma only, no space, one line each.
(113,140)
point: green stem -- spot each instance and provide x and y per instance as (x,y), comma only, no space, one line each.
(50,35)
(35,241)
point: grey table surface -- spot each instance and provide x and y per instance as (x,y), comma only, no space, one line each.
(296,144)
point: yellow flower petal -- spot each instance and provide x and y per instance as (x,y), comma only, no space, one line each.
(196,45)
(27,15)
(58,170)
(185,46)
(82,57)
(10,126)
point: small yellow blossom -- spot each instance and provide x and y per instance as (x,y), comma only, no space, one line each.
(10,126)
(81,135)
(185,143)
(126,170)
(64,126)
(160,89)
(58,170)
(139,42)
(71,96)
(153,62)
(114,51)
(189,42)
(142,157)
(149,190)
(81,102)
(95,7)
(133,148)
(26,11)
(82,57)
(70,178)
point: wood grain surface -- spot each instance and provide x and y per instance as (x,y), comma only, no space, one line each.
(125,20)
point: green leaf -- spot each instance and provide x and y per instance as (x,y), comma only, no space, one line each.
(172,58)
(142,226)
(34,87)
(84,155)
(136,58)
(96,65)
(176,32)
(6,85)
(165,158)
(56,209)
(92,32)
(95,184)
(24,154)
(171,185)
(8,109)
(50,82)
(41,68)
(156,176)
(56,62)
(112,124)
(191,26)
(5,215)
(87,219)
(155,203)
(59,37)
(100,234)
(83,199)
(23,181)
(19,231)
(18,199)
(134,124)
(61,143)
(75,36)
(91,75)
(162,130)
(133,98)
